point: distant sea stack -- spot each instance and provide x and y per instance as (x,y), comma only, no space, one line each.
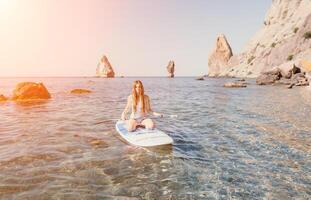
(104,68)
(171,69)
(283,39)
(218,59)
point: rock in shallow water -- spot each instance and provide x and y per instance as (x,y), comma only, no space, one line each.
(200,78)
(80,91)
(235,84)
(30,91)
(291,77)
(269,77)
(3,98)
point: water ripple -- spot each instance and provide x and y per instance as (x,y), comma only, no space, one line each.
(250,143)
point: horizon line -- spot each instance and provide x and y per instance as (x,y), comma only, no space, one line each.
(97,76)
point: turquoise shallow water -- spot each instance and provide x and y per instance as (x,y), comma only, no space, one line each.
(238,143)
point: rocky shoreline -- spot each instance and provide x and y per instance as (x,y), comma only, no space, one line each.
(292,77)
(282,42)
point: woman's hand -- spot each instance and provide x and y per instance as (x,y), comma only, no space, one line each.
(157,114)
(123,117)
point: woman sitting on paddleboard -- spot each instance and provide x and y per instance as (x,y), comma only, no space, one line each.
(139,103)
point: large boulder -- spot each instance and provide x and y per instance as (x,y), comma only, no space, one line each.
(288,69)
(171,68)
(286,76)
(218,60)
(200,78)
(269,77)
(104,68)
(3,98)
(30,91)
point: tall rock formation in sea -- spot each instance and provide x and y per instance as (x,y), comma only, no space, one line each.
(171,68)
(283,39)
(218,60)
(104,68)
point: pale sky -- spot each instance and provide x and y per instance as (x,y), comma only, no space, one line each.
(139,37)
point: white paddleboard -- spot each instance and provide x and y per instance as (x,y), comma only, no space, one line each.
(143,137)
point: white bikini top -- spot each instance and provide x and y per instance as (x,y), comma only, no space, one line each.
(139,112)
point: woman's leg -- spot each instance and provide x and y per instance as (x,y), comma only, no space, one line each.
(148,123)
(131,125)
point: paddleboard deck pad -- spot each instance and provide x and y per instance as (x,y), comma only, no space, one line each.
(143,137)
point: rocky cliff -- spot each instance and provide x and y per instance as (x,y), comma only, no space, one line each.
(284,38)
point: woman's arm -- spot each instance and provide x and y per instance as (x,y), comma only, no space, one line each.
(127,108)
(150,111)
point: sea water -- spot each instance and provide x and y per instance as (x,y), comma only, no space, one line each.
(229,143)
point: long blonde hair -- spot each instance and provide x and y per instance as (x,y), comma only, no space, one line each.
(140,96)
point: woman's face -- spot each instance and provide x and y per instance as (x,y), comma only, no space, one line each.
(137,88)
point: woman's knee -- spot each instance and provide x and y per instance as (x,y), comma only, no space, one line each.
(131,126)
(148,123)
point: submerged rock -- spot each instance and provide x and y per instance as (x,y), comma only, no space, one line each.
(30,91)
(104,68)
(80,91)
(98,143)
(235,84)
(171,68)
